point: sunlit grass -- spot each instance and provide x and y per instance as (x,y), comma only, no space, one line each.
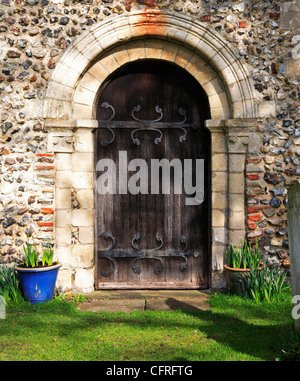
(234,329)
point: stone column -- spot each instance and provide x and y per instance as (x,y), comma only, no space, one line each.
(230,140)
(73,145)
(238,133)
(60,142)
(219,200)
(294,247)
(83,209)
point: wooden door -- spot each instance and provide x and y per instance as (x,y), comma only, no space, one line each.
(150,111)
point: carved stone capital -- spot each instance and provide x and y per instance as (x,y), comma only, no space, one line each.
(237,143)
(239,133)
(60,141)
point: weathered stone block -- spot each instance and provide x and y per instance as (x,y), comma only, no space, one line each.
(293,65)
(84,96)
(136,50)
(82,180)
(62,217)
(83,280)
(218,143)
(220,236)
(63,179)
(110,63)
(64,279)
(83,255)
(121,55)
(81,111)
(237,202)
(82,217)
(218,257)
(236,219)
(82,162)
(289,19)
(86,235)
(63,162)
(236,236)
(219,181)
(63,198)
(63,236)
(219,200)
(219,162)
(90,83)
(170,52)
(237,183)
(99,72)
(85,198)
(218,218)
(64,255)
(84,141)
(236,163)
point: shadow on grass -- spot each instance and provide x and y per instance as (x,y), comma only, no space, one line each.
(262,339)
(259,340)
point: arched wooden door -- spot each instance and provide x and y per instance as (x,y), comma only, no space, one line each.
(147,234)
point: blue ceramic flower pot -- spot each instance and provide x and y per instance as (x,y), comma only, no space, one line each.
(38,282)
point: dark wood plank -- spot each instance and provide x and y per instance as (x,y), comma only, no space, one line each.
(125,215)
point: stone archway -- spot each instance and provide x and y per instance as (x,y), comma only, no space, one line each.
(70,118)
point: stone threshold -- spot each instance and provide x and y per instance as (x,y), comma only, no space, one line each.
(143,300)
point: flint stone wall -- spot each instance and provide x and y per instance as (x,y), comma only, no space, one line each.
(34,34)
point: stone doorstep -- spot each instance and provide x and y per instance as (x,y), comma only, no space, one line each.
(107,305)
(172,304)
(147,294)
(127,301)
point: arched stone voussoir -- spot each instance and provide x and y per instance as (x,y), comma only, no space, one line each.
(164,50)
(183,30)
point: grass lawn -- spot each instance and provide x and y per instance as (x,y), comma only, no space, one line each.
(234,329)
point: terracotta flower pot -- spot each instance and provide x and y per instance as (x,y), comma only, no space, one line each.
(236,279)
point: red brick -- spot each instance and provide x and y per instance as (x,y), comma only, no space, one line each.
(253,209)
(47,210)
(252,225)
(45,223)
(274,16)
(253,160)
(47,190)
(242,24)
(205,18)
(43,167)
(253,177)
(47,229)
(254,217)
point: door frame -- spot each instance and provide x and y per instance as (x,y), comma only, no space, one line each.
(69,118)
